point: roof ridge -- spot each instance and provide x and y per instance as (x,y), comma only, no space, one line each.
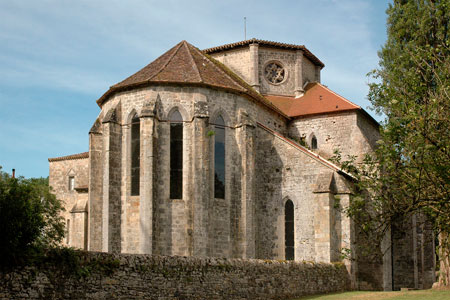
(70,157)
(186,44)
(308,152)
(168,60)
(247,87)
(217,68)
(254,40)
(229,46)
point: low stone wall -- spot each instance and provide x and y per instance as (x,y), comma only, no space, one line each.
(109,276)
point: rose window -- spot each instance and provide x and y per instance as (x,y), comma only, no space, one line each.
(274,73)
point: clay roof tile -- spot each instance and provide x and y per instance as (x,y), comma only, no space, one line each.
(185,64)
(70,157)
(318,99)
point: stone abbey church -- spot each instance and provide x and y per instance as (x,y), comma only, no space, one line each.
(224,152)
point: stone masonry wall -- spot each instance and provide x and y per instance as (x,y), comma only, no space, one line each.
(350,132)
(285,172)
(238,60)
(287,59)
(59,181)
(109,276)
(241,62)
(197,224)
(78,234)
(310,72)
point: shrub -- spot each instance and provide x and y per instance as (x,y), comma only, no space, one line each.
(30,219)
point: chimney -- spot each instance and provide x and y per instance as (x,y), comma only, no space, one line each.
(13,173)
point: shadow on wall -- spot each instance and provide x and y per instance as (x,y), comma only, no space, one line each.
(269,176)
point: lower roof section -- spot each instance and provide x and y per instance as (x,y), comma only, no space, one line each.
(318,99)
(70,157)
(306,151)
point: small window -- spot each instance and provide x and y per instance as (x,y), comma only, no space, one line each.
(314,143)
(176,155)
(219,158)
(71,183)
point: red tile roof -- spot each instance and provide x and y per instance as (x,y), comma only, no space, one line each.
(306,52)
(69,157)
(284,103)
(317,99)
(185,64)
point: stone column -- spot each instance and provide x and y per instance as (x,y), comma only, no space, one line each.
(95,201)
(298,74)
(428,253)
(254,70)
(345,228)
(323,221)
(386,250)
(201,180)
(146,179)
(348,237)
(324,218)
(112,156)
(246,230)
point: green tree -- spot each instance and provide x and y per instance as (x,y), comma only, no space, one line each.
(409,172)
(30,218)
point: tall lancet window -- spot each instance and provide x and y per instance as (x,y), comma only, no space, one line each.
(219,158)
(135,154)
(176,155)
(289,230)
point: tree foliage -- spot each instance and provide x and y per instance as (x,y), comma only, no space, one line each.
(29,218)
(409,172)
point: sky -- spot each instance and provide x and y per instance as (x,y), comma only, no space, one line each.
(57,57)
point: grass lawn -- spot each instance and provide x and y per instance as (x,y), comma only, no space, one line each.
(408,295)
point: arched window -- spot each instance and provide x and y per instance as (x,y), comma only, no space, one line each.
(176,155)
(313,142)
(289,230)
(219,158)
(135,154)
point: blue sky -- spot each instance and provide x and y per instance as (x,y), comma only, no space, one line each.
(57,56)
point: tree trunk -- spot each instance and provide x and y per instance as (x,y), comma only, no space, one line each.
(444,260)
